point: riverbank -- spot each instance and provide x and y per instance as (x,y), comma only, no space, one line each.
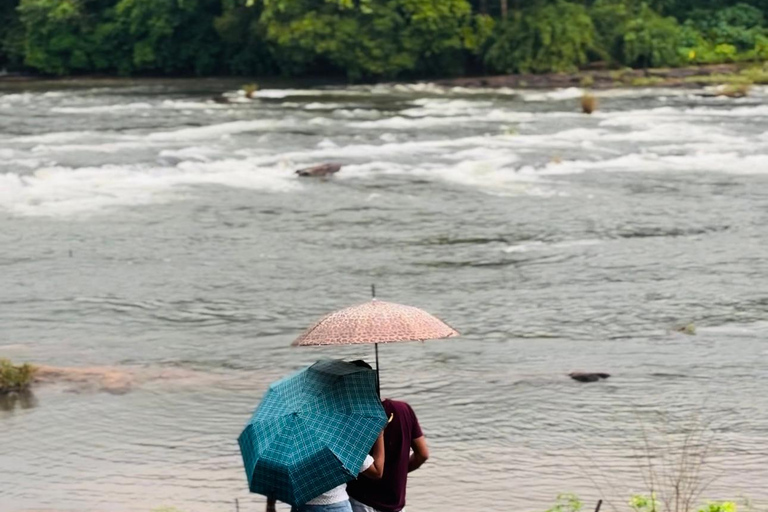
(692,76)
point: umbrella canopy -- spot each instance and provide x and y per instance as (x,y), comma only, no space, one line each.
(312,431)
(375,322)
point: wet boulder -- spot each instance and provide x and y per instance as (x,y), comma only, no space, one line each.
(588,376)
(319,171)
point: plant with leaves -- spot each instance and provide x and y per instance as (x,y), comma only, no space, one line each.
(651,40)
(567,503)
(15,377)
(547,37)
(56,31)
(367,38)
(243,39)
(641,503)
(171,36)
(722,506)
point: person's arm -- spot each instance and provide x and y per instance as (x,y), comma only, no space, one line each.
(420,453)
(271,505)
(376,470)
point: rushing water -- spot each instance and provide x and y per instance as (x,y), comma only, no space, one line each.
(160,242)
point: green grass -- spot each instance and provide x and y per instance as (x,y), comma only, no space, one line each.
(648,81)
(15,377)
(719,79)
(757,75)
(587,81)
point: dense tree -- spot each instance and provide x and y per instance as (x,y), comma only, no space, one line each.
(11,35)
(545,37)
(370,39)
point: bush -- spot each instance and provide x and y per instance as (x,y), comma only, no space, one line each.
(567,503)
(651,40)
(243,39)
(610,18)
(56,35)
(171,36)
(15,378)
(554,37)
(371,39)
(732,34)
(723,506)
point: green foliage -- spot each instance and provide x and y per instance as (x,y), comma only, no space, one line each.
(552,37)
(56,35)
(566,503)
(371,39)
(170,36)
(641,503)
(243,39)
(11,35)
(651,40)
(732,34)
(15,377)
(723,506)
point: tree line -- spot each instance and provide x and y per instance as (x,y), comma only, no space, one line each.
(373,39)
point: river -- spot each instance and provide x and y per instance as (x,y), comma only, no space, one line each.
(160,242)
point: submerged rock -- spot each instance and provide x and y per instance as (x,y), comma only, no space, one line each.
(588,377)
(319,171)
(106,379)
(689,329)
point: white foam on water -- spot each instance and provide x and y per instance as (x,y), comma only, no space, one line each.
(357,113)
(446,107)
(545,246)
(285,93)
(193,105)
(216,131)
(405,123)
(495,176)
(721,162)
(63,191)
(202,153)
(500,91)
(117,109)
(321,121)
(759,327)
(556,95)
(378,151)
(327,144)
(323,106)
(105,147)
(54,137)
(24,97)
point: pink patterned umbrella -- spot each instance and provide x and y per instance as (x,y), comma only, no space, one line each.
(375,322)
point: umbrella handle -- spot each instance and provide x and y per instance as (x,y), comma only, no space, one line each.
(378,380)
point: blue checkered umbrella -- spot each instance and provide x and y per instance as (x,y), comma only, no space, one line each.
(312,431)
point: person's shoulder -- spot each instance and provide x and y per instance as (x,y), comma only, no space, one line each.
(400,406)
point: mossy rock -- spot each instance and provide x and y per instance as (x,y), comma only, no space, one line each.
(15,378)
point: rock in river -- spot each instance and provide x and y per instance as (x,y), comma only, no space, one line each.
(588,377)
(319,171)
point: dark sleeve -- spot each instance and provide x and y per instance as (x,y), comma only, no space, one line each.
(415,427)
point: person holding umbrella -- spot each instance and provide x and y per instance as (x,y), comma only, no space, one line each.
(405,451)
(337,499)
(313,432)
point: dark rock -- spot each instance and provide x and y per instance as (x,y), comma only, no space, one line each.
(588,377)
(319,171)
(220,99)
